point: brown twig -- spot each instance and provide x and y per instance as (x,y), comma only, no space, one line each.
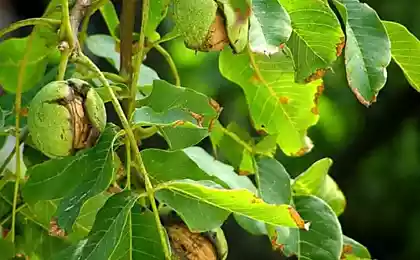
(76,16)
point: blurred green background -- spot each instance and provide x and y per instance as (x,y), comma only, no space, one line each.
(376,150)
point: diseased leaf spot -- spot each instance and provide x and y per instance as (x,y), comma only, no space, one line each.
(347,249)
(256,200)
(216,106)
(319,73)
(284,100)
(296,217)
(255,79)
(340,46)
(24,112)
(243,173)
(320,90)
(55,230)
(198,117)
(359,97)
(178,123)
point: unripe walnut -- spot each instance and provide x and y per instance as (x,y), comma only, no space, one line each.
(201,24)
(65,116)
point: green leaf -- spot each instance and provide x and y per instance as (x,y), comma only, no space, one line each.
(234,145)
(323,240)
(175,106)
(7,249)
(173,117)
(277,104)
(226,173)
(13,55)
(405,49)
(157,11)
(236,14)
(144,242)
(108,226)
(273,181)
(110,16)
(270,26)
(218,169)
(239,201)
(368,49)
(74,178)
(86,218)
(353,250)
(316,181)
(316,35)
(256,228)
(72,252)
(35,243)
(104,46)
(7,101)
(163,166)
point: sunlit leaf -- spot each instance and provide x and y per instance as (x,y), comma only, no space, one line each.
(368,49)
(239,201)
(316,181)
(405,50)
(277,104)
(316,38)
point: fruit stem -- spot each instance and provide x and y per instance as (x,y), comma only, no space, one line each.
(133,143)
(170,62)
(18,104)
(138,57)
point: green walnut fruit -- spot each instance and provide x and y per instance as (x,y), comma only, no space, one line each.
(66,116)
(201,24)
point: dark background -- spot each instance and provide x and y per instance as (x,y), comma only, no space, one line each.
(376,150)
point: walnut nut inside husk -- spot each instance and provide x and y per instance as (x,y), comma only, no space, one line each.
(187,245)
(66,116)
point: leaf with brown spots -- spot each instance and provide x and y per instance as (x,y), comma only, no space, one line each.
(340,46)
(316,33)
(239,201)
(308,243)
(352,248)
(267,97)
(184,116)
(367,51)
